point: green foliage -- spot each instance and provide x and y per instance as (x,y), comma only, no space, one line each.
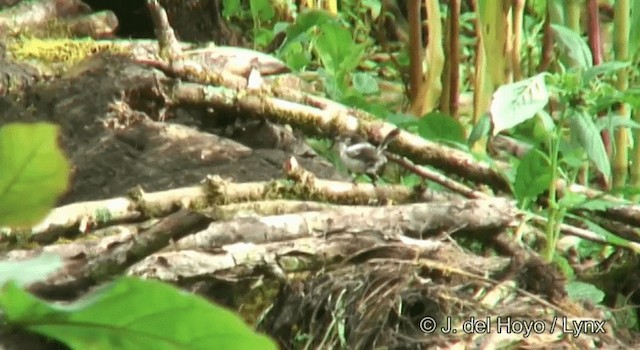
(339,55)
(260,12)
(625,315)
(298,32)
(231,8)
(584,130)
(480,130)
(131,314)
(634,28)
(514,103)
(364,83)
(339,52)
(564,142)
(614,121)
(608,236)
(126,314)
(575,51)
(602,70)
(33,172)
(29,271)
(538,8)
(437,126)
(532,176)
(405,121)
(295,56)
(565,267)
(580,291)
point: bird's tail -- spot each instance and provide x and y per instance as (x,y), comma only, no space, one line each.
(389,138)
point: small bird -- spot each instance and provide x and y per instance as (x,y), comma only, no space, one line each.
(365,158)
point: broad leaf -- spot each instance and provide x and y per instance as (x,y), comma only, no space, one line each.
(632,97)
(364,83)
(261,10)
(565,267)
(602,69)
(573,46)
(411,180)
(573,156)
(598,204)
(231,8)
(614,121)
(532,176)
(305,21)
(33,172)
(295,56)
(624,315)
(542,127)
(406,121)
(546,121)
(555,10)
(514,103)
(607,235)
(587,134)
(336,49)
(132,314)
(29,271)
(437,126)
(480,130)
(572,200)
(580,291)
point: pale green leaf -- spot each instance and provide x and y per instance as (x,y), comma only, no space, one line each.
(31,270)
(580,291)
(584,130)
(33,172)
(132,314)
(573,46)
(533,175)
(515,103)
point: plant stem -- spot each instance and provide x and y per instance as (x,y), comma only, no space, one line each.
(621,50)
(553,210)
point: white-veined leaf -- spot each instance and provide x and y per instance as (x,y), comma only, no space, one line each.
(515,103)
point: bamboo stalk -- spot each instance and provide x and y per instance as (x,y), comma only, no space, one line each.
(621,16)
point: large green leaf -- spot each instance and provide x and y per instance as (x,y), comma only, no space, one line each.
(33,172)
(605,68)
(231,7)
(437,126)
(261,10)
(606,234)
(365,83)
(584,130)
(337,50)
(532,176)
(580,291)
(614,121)
(515,103)
(305,21)
(480,130)
(573,46)
(132,314)
(29,271)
